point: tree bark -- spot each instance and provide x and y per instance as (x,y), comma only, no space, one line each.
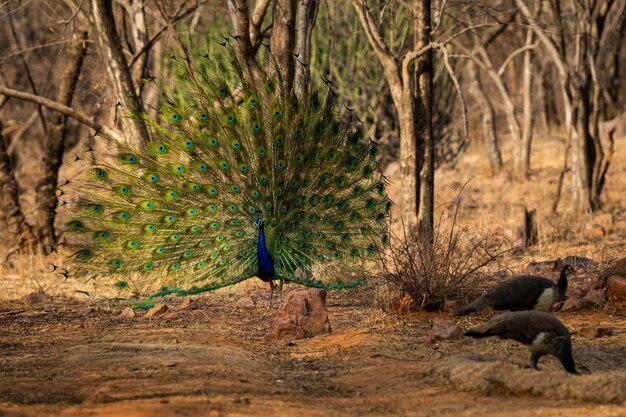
(488,117)
(424,122)
(13,227)
(527,110)
(139,30)
(46,187)
(306,15)
(576,45)
(118,74)
(399,80)
(283,40)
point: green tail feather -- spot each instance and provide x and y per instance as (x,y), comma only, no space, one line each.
(180,214)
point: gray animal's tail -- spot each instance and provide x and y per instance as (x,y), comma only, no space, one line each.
(478,333)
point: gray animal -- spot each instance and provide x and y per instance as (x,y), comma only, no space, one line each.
(526,292)
(543,333)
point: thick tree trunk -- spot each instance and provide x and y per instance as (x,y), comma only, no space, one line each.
(47,185)
(409,173)
(110,50)
(14,231)
(307,13)
(488,117)
(424,122)
(283,41)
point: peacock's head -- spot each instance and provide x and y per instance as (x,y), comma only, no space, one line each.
(258,222)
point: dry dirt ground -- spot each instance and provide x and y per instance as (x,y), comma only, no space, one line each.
(69,358)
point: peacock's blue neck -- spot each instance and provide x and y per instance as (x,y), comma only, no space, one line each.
(265,260)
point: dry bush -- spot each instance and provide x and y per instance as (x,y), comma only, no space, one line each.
(451,266)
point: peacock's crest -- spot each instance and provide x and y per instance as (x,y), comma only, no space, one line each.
(183,214)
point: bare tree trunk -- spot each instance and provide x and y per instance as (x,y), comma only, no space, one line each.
(139,30)
(527,115)
(398,77)
(424,121)
(488,116)
(409,173)
(47,185)
(283,41)
(110,49)
(13,227)
(247,31)
(576,41)
(307,13)
(583,152)
(508,107)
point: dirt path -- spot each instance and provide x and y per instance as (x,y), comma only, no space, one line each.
(63,359)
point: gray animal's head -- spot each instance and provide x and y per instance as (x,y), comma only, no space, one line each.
(567,270)
(562,349)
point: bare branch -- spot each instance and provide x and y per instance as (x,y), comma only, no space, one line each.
(257,19)
(457,85)
(371,31)
(411,56)
(74,13)
(36,47)
(514,55)
(154,39)
(29,75)
(557,58)
(79,116)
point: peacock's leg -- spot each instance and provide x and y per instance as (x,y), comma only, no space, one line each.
(272,286)
(280,290)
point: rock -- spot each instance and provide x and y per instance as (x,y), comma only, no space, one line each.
(595,331)
(87,311)
(157,311)
(189,304)
(127,313)
(575,304)
(170,315)
(444,330)
(37,297)
(593,231)
(596,296)
(574,290)
(304,314)
(616,289)
(618,269)
(245,302)
(595,283)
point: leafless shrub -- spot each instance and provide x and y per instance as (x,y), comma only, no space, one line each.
(450,267)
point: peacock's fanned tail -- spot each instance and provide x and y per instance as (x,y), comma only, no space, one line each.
(179,215)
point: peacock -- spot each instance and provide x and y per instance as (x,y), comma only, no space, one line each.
(239,180)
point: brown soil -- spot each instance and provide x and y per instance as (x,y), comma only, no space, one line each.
(72,359)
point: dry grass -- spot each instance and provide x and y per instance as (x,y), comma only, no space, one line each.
(450,266)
